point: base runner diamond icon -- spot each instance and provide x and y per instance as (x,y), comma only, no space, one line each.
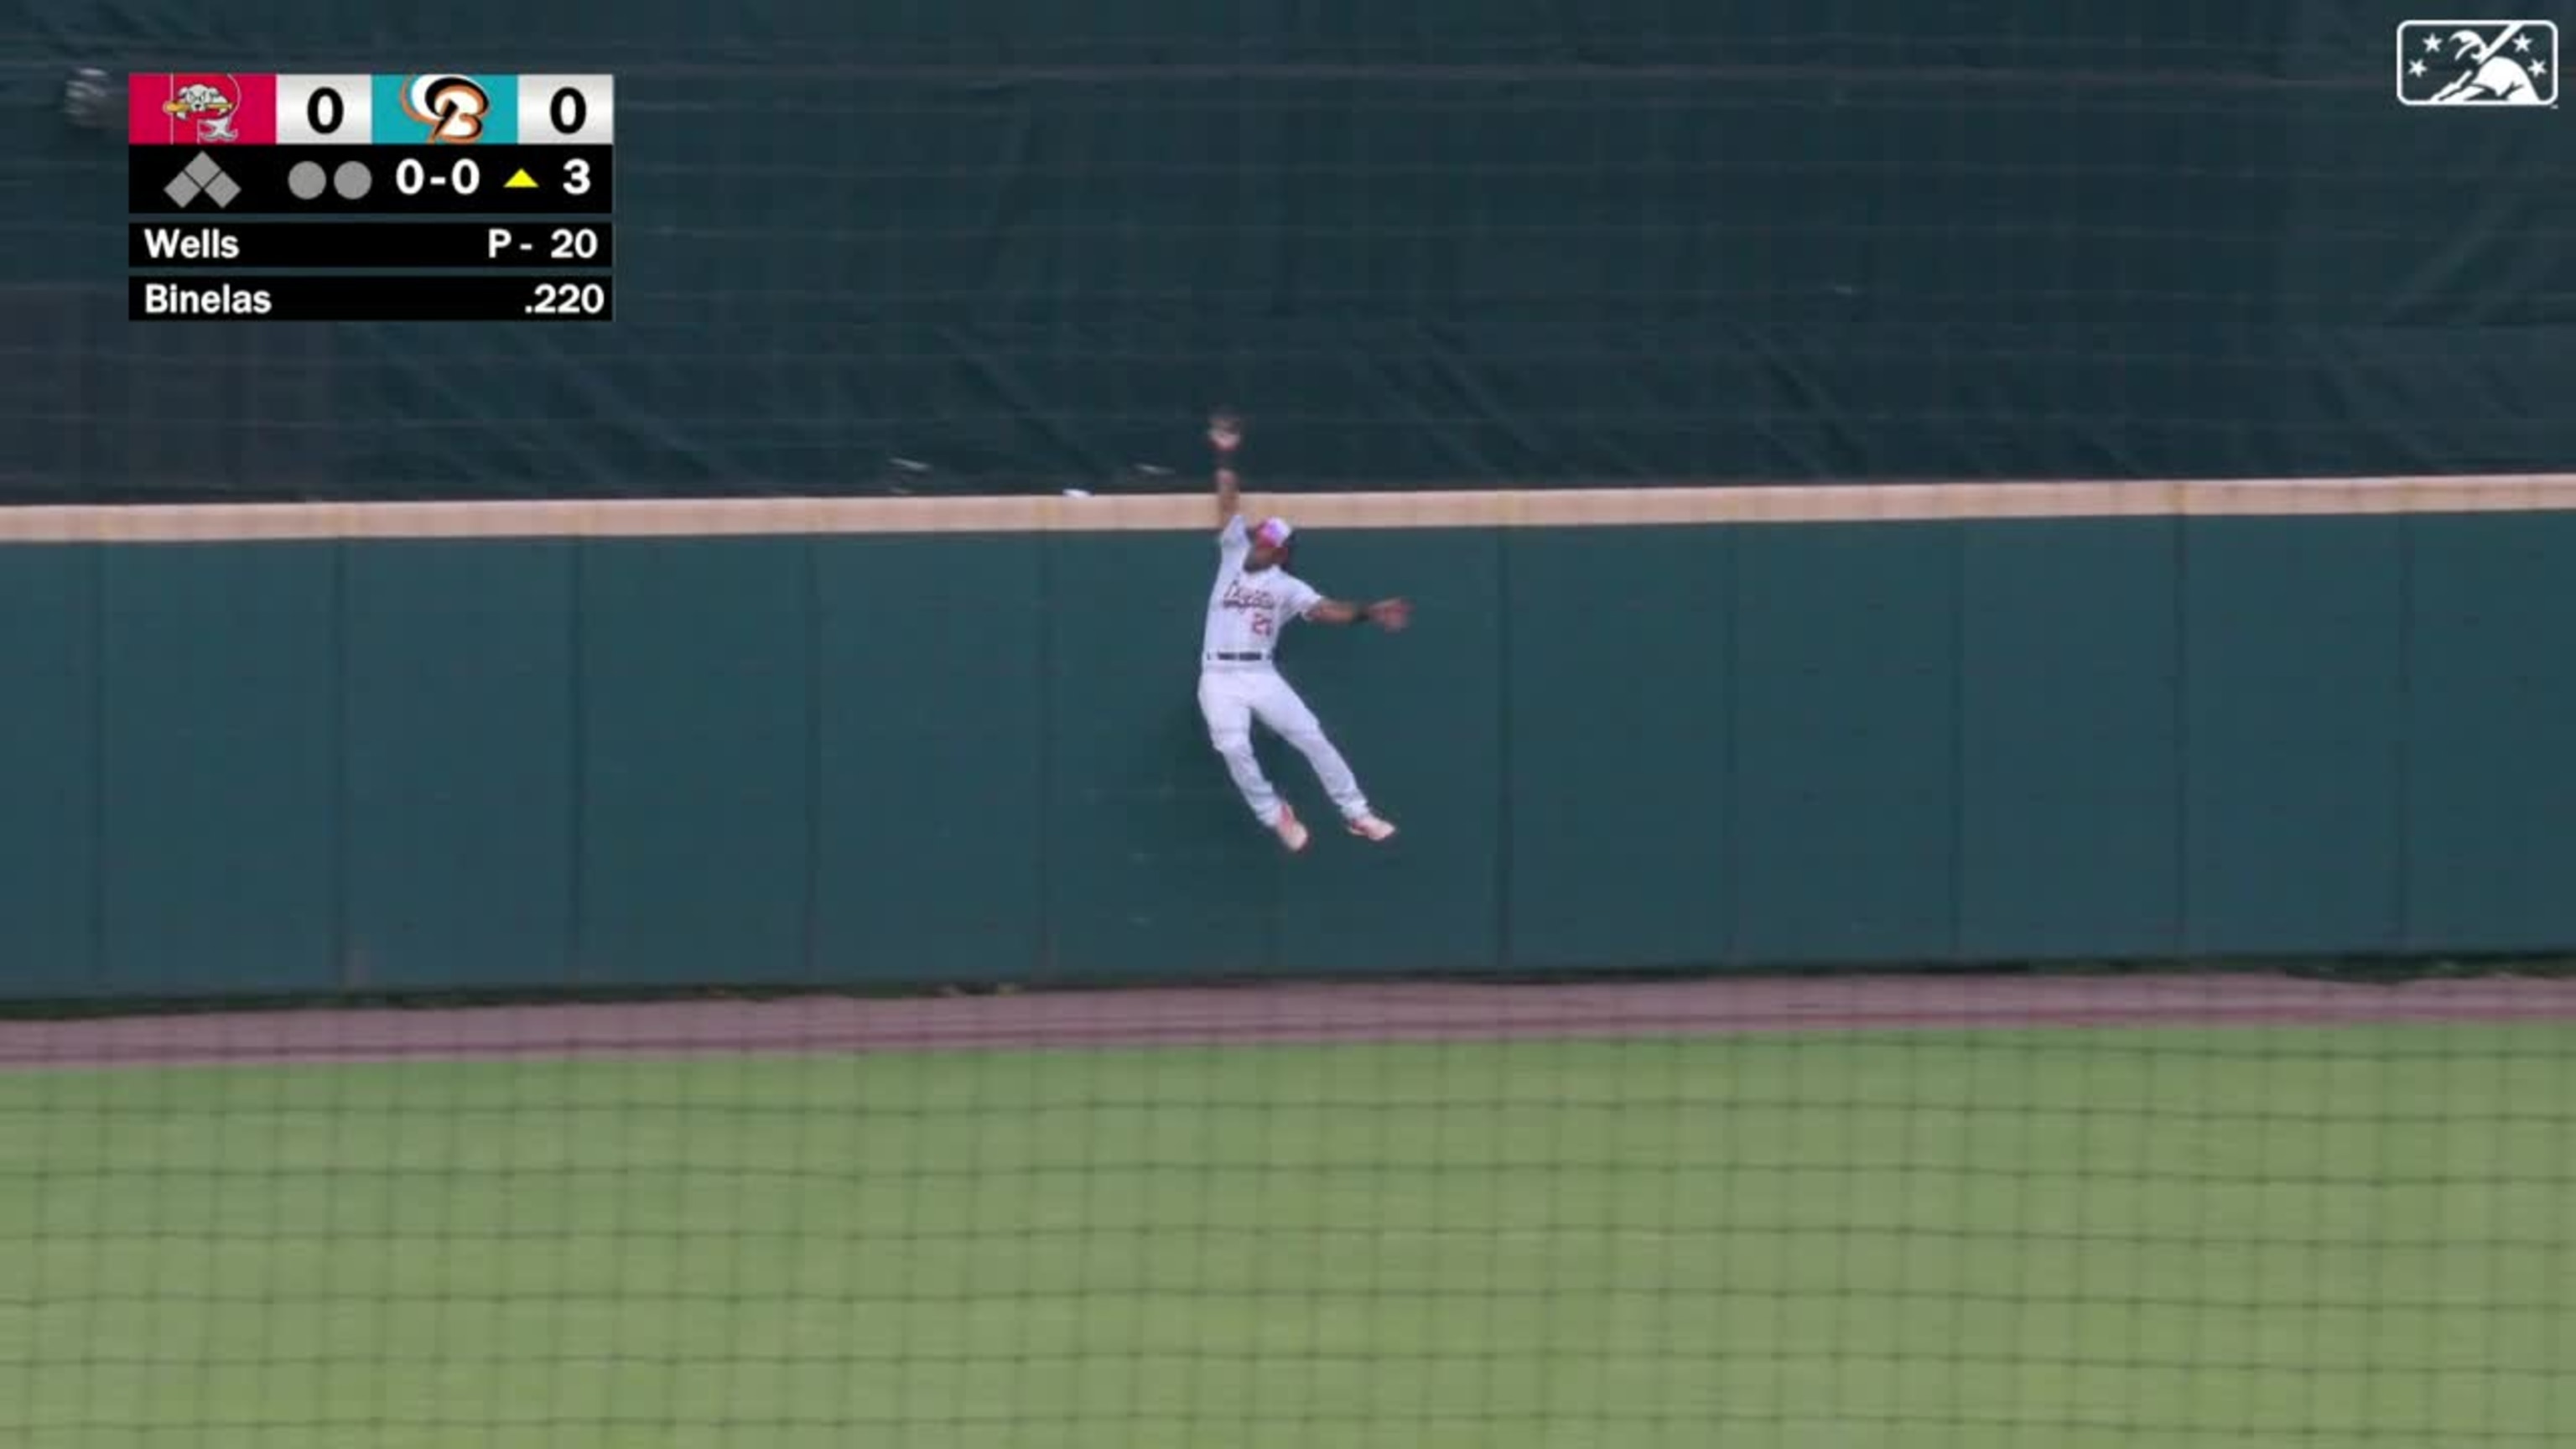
(2477,63)
(202,178)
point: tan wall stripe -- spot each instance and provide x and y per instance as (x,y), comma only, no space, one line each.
(1530,508)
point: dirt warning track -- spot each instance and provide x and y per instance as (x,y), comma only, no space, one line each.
(1222,1015)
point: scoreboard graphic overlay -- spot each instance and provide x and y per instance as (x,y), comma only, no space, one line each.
(428,196)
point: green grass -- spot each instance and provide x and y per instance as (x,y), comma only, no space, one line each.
(2049,1240)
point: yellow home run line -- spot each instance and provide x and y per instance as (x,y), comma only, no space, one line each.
(1160,513)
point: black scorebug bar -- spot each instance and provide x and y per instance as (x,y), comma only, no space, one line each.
(369,245)
(347,297)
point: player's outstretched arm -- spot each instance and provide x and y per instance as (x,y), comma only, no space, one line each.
(1225,435)
(1387,614)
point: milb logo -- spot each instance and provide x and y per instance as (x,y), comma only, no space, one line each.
(2477,63)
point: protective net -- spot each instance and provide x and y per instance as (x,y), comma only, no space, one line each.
(2083,1212)
(2091,1209)
(1123,1131)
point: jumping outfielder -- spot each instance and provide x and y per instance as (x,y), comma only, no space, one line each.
(1254,599)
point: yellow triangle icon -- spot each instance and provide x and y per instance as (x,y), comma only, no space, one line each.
(519,181)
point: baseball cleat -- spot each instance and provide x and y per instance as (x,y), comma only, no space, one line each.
(1369,827)
(1290,830)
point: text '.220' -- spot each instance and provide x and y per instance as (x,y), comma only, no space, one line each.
(488,297)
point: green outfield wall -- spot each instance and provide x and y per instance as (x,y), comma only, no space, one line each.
(420,764)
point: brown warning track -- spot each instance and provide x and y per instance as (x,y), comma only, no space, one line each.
(1217,1016)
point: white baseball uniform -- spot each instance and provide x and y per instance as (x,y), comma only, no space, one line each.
(1238,683)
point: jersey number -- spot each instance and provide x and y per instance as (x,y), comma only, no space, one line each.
(1261,625)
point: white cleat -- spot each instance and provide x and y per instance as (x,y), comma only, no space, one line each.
(1290,830)
(1369,827)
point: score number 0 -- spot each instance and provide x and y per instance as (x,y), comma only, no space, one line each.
(553,110)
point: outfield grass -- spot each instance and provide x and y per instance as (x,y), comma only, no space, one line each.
(2045,1240)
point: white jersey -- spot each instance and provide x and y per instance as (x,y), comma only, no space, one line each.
(1247,611)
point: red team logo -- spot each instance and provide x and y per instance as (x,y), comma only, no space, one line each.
(210,109)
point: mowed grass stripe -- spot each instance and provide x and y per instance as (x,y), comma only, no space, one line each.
(2063,1238)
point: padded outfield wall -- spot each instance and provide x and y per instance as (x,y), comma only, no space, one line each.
(1433,247)
(855,743)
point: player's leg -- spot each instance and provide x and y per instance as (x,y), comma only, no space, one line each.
(1278,705)
(1228,710)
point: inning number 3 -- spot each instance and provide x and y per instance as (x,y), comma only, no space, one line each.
(577,176)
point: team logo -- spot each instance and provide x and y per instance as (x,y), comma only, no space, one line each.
(454,107)
(200,108)
(2477,63)
(209,103)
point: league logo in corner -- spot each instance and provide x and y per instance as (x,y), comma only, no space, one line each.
(2477,63)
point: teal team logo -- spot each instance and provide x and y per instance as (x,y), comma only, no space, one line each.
(447,109)
(2477,63)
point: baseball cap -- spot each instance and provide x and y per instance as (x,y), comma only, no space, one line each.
(1273,531)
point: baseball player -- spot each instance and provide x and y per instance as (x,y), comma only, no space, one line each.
(1255,597)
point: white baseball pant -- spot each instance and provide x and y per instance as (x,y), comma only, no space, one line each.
(1232,698)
